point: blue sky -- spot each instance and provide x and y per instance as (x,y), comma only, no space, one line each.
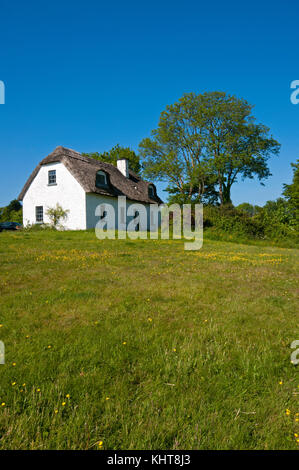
(88,75)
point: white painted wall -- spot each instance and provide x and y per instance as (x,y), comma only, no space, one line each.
(68,193)
(93,200)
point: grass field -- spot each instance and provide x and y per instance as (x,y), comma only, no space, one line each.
(142,345)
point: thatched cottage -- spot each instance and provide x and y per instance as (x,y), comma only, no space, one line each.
(79,185)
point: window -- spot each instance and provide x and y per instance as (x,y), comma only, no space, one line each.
(39,214)
(101,179)
(52,177)
(151,191)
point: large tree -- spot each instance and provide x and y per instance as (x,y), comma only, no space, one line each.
(207,140)
(116,153)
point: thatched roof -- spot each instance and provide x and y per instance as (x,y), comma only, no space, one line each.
(84,169)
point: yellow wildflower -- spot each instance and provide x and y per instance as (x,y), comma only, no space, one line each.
(63,403)
(3,403)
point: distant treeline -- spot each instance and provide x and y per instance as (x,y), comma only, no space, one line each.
(12,212)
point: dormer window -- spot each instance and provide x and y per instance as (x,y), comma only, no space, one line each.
(51,177)
(151,191)
(101,179)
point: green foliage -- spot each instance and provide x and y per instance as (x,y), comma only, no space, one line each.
(232,221)
(56,214)
(274,221)
(248,208)
(12,212)
(39,228)
(118,152)
(207,140)
(291,193)
(185,196)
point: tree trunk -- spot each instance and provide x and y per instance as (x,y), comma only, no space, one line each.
(220,190)
(226,194)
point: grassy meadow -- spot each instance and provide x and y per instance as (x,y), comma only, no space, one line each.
(141,345)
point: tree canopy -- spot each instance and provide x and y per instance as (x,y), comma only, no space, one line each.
(12,212)
(291,193)
(116,153)
(204,143)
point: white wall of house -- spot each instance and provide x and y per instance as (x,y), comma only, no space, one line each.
(67,192)
(94,200)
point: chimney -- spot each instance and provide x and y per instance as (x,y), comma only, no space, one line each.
(123,166)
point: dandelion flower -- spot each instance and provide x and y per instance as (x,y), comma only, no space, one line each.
(67,395)
(3,403)
(13,384)
(14,364)
(100,444)
(63,403)
(56,411)
(124,342)
(174,349)
(107,398)
(49,347)
(150,319)
(280,383)
(288,412)
(1,325)
(24,385)
(38,389)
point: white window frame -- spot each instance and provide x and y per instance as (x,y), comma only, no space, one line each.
(52,177)
(39,214)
